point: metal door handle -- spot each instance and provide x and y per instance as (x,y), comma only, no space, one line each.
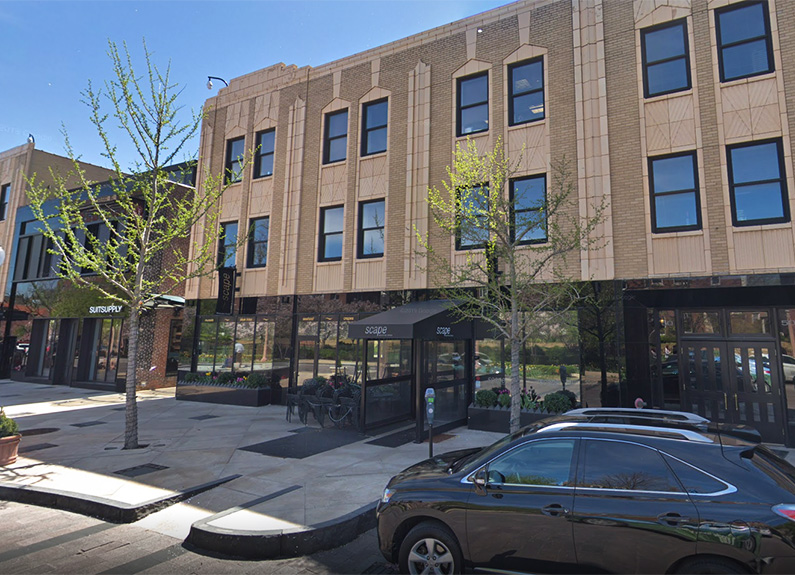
(554,510)
(736,404)
(725,402)
(672,519)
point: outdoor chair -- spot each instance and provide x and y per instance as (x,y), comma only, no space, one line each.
(319,402)
(346,407)
(293,401)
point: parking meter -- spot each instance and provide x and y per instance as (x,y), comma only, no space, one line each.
(430,400)
(563,375)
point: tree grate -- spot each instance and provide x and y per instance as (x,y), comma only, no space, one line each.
(140,470)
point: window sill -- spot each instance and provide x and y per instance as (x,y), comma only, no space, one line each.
(334,163)
(471,134)
(668,96)
(762,227)
(748,79)
(378,258)
(262,177)
(528,124)
(329,262)
(677,234)
(374,155)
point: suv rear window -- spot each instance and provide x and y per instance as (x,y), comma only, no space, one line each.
(776,468)
(694,480)
(625,466)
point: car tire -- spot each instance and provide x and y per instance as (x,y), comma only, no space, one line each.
(710,565)
(445,556)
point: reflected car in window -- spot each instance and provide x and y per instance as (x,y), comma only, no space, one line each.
(656,492)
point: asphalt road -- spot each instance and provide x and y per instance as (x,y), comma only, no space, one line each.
(37,540)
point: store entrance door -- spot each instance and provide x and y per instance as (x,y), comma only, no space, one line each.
(732,382)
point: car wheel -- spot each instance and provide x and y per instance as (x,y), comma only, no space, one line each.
(430,548)
(709,565)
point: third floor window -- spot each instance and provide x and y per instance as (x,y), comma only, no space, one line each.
(473,104)
(675,203)
(335,144)
(331,222)
(235,150)
(374,122)
(666,65)
(744,45)
(526,92)
(263,158)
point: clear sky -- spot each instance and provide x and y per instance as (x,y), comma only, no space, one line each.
(49,50)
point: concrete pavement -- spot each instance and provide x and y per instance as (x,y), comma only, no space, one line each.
(241,481)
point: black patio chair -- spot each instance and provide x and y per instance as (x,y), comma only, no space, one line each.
(346,407)
(293,402)
(319,402)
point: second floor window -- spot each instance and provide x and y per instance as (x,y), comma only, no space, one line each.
(263,159)
(528,220)
(526,92)
(757,183)
(744,45)
(675,203)
(374,122)
(473,104)
(258,243)
(235,150)
(331,222)
(371,229)
(227,245)
(666,65)
(335,146)
(473,218)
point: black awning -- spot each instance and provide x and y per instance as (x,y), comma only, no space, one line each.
(417,320)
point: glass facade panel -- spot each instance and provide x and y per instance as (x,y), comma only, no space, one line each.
(701,322)
(749,322)
(387,402)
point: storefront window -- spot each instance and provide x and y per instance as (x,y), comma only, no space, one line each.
(697,322)
(225,348)
(786,335)
(348,349)
(207,334)
(327,353)
(263,344)
(749,322)
(388,358)
(244,344)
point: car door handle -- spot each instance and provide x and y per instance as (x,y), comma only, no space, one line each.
(554,510)
(672,519)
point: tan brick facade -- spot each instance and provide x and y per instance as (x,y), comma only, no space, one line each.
(596,115)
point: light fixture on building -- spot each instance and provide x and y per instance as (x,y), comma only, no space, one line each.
(480,30)
(31,139)
(210,81)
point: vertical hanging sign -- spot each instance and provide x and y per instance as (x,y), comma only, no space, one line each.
(226,291)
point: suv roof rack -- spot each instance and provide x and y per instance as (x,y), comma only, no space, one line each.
(662,414)
(664,432)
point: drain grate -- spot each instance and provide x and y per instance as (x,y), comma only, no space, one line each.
(35,447)
(88,423)
(38,431)
(140,470)
(204,417)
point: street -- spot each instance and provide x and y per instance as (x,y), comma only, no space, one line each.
(38,540)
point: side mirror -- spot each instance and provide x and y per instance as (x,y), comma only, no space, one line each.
(480,480)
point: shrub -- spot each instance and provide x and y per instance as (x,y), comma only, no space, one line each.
(7,425)
(556,402)
(485,398)
(257,379)
(504,397)
(571,396)
(225,378)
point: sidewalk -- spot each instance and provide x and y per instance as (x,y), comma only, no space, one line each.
(235,480)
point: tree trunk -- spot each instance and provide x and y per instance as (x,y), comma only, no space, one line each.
(516,380)
(131,413)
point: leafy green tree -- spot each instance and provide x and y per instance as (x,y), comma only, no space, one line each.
(145,251)
(514,275)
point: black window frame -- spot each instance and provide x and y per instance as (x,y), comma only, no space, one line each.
(324,235)
(5,192)
(682,22)
(361,231)
(328,139)
(514,211)
(458,245)
(460,108)
(513,95)
(230,163)
(655,228)
(782,179)
(253,243)
(223,244)
(262,152)
(767,36)
(367,130)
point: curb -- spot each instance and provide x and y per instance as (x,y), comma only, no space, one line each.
(281,543)
(100,507)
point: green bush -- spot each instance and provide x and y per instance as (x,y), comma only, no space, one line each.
(257,379)
(485,398)
(504,398)
(225,378)
(192,377)
(571,396)
(556,402)
(7,425)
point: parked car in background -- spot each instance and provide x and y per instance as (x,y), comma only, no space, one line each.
(656,492)
(788,363)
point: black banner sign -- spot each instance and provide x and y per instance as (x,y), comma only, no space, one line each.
(226,291)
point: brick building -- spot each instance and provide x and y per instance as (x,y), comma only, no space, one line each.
(676,112)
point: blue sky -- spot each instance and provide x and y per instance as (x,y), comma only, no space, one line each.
(50,50)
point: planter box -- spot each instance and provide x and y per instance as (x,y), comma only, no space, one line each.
(226,395)
(8,449)
(499,418)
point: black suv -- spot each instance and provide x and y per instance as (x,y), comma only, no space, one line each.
(599,490)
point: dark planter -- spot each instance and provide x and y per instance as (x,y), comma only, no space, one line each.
(248,397)
(499,418)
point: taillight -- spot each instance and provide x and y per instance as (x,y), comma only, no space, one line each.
(785,510)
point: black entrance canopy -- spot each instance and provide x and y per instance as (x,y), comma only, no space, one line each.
(418,320)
